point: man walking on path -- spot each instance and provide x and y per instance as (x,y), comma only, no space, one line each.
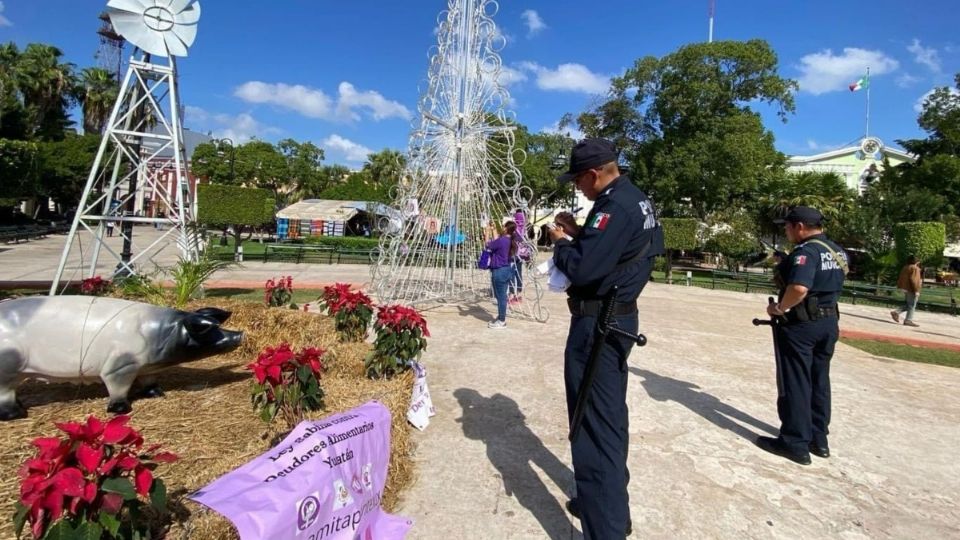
(910,281)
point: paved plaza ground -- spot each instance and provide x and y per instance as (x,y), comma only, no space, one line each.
(494,462)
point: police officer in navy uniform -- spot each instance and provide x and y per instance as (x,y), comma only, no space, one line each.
(812,277)
(616,246)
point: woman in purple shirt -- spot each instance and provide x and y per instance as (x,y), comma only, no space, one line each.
(502,251)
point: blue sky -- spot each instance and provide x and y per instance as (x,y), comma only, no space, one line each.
(347,74)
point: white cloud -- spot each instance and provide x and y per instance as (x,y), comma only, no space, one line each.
(824,72)
(568,78)
(927,56)
(907,80)
(509,75)
(380,107)
(569,131)
(314,103)
(3,20)
(349,149)
(813,145)
(918,105)
(239,128)
(534,22)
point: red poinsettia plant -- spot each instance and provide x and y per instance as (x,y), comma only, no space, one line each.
(278,292)
(287,383)
(95,286)
(401,339)
(93,483)
(351,310)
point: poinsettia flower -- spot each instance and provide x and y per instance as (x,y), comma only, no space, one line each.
(143,479)
(89,492)
(109,465)
(88,457)
(116,430)
(69,482)
(128,463)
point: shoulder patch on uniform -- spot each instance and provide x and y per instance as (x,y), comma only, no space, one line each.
(599,221)
(800,260)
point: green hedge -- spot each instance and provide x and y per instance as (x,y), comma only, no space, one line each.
(351,242)
(923,239)
(679,233)
(222,206)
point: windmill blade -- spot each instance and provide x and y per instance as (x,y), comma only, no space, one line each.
(158,27)
(175,6)
(133,6)
(186,32)
(191,15)
(174,44)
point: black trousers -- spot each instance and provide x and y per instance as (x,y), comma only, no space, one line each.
(600,450)
(804,409)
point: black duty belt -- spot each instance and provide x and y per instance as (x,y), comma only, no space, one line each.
(591,308)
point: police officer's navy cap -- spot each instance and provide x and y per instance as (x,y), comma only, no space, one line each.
(589,154)
(802,214)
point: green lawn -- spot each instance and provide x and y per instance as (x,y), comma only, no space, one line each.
(906,352)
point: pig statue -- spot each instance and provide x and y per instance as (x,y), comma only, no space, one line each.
(85,337)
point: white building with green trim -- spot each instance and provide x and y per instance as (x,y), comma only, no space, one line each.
(858,165)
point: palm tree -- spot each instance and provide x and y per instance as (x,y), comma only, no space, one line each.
(98,92)
(47,87)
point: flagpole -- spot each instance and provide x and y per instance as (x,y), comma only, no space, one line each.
(867,130)
(711,8)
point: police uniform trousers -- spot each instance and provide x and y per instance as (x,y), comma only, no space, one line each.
(600,450)
(804,409)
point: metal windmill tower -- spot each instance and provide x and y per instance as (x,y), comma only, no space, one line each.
(142,150)
(461,175)
(110,53)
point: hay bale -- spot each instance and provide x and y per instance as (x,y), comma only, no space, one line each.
(206,417)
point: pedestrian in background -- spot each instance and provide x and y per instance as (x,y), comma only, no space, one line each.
(910,282)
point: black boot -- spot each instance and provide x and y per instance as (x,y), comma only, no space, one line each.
(573,506)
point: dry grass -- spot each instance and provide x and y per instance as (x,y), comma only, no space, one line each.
(206,417)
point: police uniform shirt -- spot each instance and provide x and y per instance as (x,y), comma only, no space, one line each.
(621,223)
(812,265)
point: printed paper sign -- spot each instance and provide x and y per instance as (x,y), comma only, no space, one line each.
(323,481)
(421,406)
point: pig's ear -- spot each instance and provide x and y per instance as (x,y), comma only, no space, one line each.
(215,313)
(197,325)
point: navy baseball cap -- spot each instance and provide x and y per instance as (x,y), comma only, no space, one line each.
(589,154)
(802,214)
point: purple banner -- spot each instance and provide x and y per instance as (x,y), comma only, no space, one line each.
(324,481)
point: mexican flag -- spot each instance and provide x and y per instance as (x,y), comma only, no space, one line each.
(864,82)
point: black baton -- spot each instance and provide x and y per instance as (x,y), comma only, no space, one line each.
(603,329)
(774,322)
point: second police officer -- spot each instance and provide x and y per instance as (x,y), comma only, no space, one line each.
(810,279)
(615,247)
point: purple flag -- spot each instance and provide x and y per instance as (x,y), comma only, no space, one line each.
(323,481)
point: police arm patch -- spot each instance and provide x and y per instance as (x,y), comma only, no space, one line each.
(599,221)
(800,260)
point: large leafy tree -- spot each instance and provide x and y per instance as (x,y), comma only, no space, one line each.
(304,168)
(64,168)
(260,164)
(97,93)
(688,126)
(936,173)
(47,87)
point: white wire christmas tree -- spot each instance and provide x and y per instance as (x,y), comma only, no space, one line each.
(461,175)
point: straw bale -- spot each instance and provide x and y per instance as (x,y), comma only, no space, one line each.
(206,417)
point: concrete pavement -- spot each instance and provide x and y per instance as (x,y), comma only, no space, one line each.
(494,463)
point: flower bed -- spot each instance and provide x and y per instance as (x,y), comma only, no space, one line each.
(206,417)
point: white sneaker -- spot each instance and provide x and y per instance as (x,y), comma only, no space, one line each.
(497,323)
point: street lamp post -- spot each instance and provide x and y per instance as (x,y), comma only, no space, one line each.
(233,154)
